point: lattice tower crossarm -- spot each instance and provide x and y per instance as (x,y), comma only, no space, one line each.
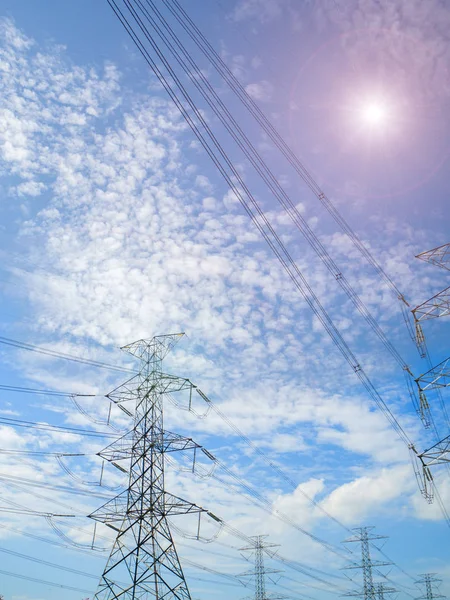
(437,454)
(439,256)
(435,307)
(438,305)
(436,377)
(144,563)
(363,536)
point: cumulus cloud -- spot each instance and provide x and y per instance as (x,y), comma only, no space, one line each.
(353,502)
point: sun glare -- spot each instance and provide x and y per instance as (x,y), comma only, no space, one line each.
(374,114)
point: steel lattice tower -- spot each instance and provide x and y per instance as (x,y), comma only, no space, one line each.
(429,581)
(369,591)
(260,571)
(144,563)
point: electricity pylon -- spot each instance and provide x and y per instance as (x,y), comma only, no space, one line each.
(144,563)
(369,591)
(260,571)
(429,581)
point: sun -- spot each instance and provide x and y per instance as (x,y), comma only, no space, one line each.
(375,114)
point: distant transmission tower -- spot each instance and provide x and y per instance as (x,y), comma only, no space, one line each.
(260,571)
(429,582)
(369,591)
(144,563)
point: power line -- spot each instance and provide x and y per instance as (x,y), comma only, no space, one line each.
(216,104)
(267,459)
(250,205)
(40,561)
(221,160)
(26,390)
(209,570)
(62,355)
(45,540)
(274,466)
(266,505)
(47,427)
(44,582)
(59,488)
(40,453)
(256,495)
(230,78)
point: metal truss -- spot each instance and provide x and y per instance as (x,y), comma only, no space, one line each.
(439,454)
(436,455)
(437,377)
(434,379)
(439,256)
(369,591)
(430,582)
(435,307)
(381,589)
(260,571)
(144,563)
(438,305)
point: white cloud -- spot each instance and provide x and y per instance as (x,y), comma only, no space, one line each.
(365,496)
(262,10)
(297,503)
(261,90)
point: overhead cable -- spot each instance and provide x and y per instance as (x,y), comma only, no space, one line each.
(240,91)
(63,355)
(44,582)
(201,83)
(47,427)
(238,186)
(40,561)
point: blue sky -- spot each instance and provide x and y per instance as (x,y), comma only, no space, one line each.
(115,226)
